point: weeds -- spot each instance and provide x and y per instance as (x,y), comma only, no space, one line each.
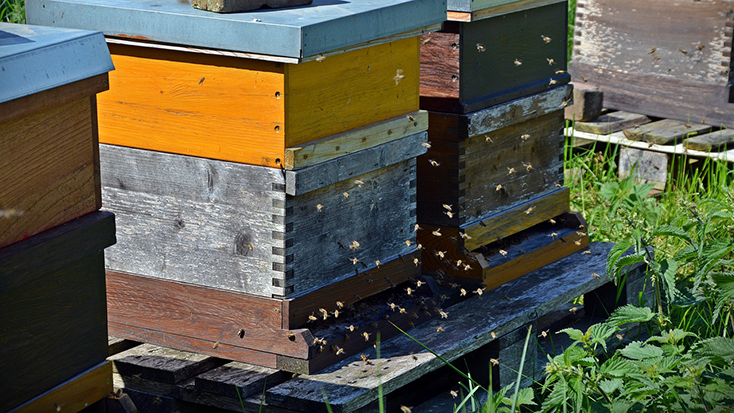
(12,11)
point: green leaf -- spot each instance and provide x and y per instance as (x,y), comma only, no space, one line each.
(573,334)
(614,254)
(725,283)
(717,348)
(630,314)
(671,336)
(557,397)
(619,367)
(526,397)
(610,385)
(669,268)
(602,331)
(672,231)
(637,350)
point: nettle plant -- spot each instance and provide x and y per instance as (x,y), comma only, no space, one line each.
(687,363)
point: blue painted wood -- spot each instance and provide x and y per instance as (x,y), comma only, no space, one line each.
(34,58)
(323,26)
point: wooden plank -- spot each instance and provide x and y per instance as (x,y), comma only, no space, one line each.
(350,90)
(75,394)
(349,387)
(118,345)
(350,166)
(218,315)
(183,218)
(611,122)
(170,101)
(665,131)
(588,103)
(522,216)
(162,364)
(647,166)
(236,379)
(509,7)
(378,212)
(352,289)
(51,98)
(714,141)
(47,170)
(440,72)
(332,147)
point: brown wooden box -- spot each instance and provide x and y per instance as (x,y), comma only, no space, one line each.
(659,57)
(505,55)
(52,307)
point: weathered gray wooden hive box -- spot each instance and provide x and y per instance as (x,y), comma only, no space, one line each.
(261,162)
(53,334)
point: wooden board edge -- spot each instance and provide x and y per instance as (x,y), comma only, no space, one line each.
(315,152)
(523,216)
(57,96)
(389,274)
(74,394)
(512,7)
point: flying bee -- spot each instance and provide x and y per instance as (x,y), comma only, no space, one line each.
(488,139)
(503,252)
(312,318)
(573,310)
(402,311)
(527,166)
(551,61)
(480,47)
(216,344)
(552,221)
(416,261)
(323,311)
(407,242)
(494,361)
(339,305)
(354,260)
(619,337)
(441,254)
(336,313)
(653,50)
(443,314)
(339,350)
(358,182)
(529,210)
(577,242)
(439,329)
(564,103)
(467,267)
(416,228)
(518,62)
(354,245)
(458,263)
(426,40)
(392,306)
(321,58)
(366,336)
(454,394)
(587,252)
(437,232)
(510,171)
(319,207)
(552,82)
(447,207)
(498,187)
(595,275)
(453,285)
(346,194)
(418,283)
(545,38)
(409,291)
(560,72)
(419,246)
(433,163)
(655,57)
(581,233)
(351,328)
(543,334)
(426,145)
(464,235)
(493,334)
(462,292)
(449,214)
(554,235)
(398,76)
(406,409)
(377,263)
(525,137)
(684,51)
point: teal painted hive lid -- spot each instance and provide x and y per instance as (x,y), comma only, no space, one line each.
(297,32)
(35,58)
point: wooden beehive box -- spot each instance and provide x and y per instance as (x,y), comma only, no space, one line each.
(492,52)
(264,80)
(660,57)
(488,175)
(49,168)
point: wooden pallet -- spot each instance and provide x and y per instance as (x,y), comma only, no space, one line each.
(165,380)
(647,146)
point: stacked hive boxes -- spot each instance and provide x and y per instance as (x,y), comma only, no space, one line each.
(53,335)
(494,81)
(263,174)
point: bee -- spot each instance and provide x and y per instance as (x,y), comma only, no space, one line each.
(527,166)
(564,103)
(467,267)
(439,329)
(503,252)
(543,334)
(573,310)
(653,50)
(529,210)
(409,291)
(416,261)
(441,254)
(290,336)
(560,72)
(458,263)
(493,334)
(518,62)
(447,207)
(418,283)
(619,337)
(551,61)
(321,58)
(510,171)
(684,51)
(339,305)
(656,57)
(462,292)
(437,232)
(426,145)
(354,260)
(488,139)
(312,318)
(700,47)
(416,228)
(402,311)
(351,328)
(443,314)
(546,39)
(525,137)
(339,350)
(552,221)
(322,311)
(595,275)
(319,207)
(577,242)
(215,345)
(433,163)
(392,306)
(479,291)
(411,118)
(554,235)
(398,76)
(354,245)
(464,235)
(453,285)
(346,194)
(336,313)
(377,263)
(480,47)
(581,233)
(583,79)
(426,40)
(587,252)
(449,214)
(358,182)
(552,82)
(406,409)
(494,361)
(498,187)
(454,394)
(366,336)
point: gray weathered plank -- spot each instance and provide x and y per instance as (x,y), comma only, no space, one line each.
(161,364)
(300,181)
(666,131)
(714,141)
(352,384)
(248,379)
(611,122)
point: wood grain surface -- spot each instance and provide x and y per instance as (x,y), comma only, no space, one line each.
(47,169)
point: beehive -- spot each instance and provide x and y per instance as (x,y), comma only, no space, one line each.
(53,341)
(492,52)
(262,168)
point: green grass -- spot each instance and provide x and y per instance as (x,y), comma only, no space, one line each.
(12,11)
